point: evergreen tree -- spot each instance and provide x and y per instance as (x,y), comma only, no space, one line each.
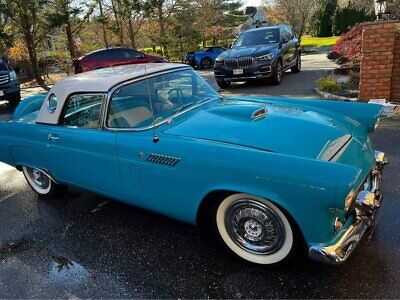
(321,21)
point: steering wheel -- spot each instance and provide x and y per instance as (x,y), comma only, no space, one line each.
(175,96)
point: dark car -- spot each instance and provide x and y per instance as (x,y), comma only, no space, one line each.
(262,53)
(113,57)
(205,58)
(9,83)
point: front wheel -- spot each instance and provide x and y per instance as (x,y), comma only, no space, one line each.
(222,83)
(14,100)
(254,229)
(206,63)
(40,182)
(277,74)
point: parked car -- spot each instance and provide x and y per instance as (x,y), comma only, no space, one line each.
(265,174)
(205,58)
(9,83)
(261,54)
(113,57)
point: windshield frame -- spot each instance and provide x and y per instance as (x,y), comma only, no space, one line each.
(110,93)
(257,30)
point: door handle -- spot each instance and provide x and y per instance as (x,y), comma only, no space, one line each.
(51,137)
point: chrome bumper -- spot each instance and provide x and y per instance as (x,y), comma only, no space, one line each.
(366,207)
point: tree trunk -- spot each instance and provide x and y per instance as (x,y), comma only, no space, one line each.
(33,57)
(70,40)
(117,22)
(102,24)
(161,22)
(131,33)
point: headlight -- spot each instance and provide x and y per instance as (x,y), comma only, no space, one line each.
(13,75)
(349,200)
(265,57)
(218,60)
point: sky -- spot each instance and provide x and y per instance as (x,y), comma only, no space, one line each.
(252,2)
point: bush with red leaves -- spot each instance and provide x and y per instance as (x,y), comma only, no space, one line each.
(349,46)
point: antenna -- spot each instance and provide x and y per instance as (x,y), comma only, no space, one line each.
(155,136)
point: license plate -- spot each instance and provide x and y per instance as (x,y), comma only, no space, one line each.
(1,93)
(238,72)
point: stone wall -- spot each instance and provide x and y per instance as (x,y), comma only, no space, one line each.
(380,68)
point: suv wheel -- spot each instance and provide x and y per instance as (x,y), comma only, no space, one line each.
(206,63)
(14,100)
(222,83)
(277,74)
(297,67)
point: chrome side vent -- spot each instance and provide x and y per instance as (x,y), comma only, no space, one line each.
(260,113)
(166,160)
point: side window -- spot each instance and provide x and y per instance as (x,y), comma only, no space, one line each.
(133,54)
(83,111)
(52,103)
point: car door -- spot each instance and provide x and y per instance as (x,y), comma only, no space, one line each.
(285,47)
(79,152)
(293,44)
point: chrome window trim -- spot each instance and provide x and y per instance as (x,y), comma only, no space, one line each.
(139,129)
(48,104)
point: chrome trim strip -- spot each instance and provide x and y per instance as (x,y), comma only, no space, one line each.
(168,120)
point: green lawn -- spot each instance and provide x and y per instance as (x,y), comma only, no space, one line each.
(315,42)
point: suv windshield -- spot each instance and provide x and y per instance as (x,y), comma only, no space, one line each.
(257,37)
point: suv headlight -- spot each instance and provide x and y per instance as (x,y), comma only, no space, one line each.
(265,57)
(13,75)
(219,60)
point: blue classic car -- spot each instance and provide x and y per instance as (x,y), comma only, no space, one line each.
(205,58)
(265,174)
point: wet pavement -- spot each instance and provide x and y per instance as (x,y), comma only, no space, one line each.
(81,245)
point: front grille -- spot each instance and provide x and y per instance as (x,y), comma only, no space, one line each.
(239,63)
(4,79)
(163,159)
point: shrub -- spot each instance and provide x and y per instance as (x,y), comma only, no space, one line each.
(328,85)
(349,46)
(321,21)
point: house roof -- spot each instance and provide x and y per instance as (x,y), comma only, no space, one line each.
(101,81)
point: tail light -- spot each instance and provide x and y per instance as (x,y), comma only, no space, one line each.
(78,66)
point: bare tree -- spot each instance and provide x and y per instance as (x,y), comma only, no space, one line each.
(296,13)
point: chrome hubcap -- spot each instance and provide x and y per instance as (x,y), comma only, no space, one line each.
(254,227)
(39,178)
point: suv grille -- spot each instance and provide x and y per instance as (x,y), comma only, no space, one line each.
(4,79)
(242,63)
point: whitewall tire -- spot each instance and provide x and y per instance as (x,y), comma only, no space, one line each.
(254,229)
(39,181)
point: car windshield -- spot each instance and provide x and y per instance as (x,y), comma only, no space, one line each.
(170,94)
(257,37)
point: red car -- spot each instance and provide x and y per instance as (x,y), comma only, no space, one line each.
(113,57)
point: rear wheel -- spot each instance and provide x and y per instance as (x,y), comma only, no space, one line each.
(255,229)
(14,100)
(297,67)
(222,83)
(41,183)
(277,74)
(206,63)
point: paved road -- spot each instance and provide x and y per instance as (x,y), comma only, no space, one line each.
(81,245)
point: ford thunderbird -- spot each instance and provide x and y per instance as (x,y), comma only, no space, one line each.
(265,174)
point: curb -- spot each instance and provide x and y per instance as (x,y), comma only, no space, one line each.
(329,96)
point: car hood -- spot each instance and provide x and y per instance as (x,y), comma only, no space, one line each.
(257,50)
(285,129)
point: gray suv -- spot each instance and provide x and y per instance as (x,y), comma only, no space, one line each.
(9,84)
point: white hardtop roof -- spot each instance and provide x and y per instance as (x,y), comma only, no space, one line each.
(101,81)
